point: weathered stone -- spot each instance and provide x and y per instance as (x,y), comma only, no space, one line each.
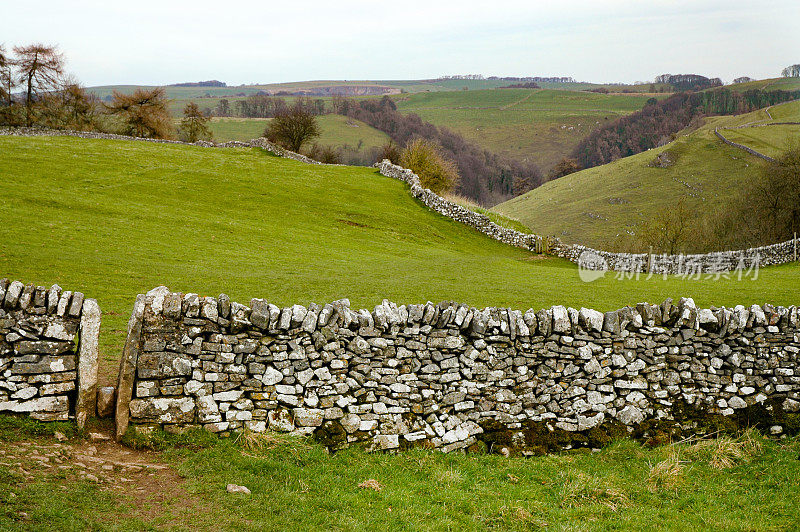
(13,293)
(591,320)
(50,403)
(233,488)
(87,359)
(271,376)
(163,410)
(630,415)
(106,397)
(308,417)
(280,420)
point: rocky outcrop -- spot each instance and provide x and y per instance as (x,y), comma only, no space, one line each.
(450,376)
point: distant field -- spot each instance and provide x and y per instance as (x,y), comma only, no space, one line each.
(772,84)
(540,126)
(336,131)
(603,206)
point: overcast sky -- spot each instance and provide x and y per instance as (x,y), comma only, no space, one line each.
(244,41)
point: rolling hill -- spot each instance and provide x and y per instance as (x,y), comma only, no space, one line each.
(770,84)
(540,126)
(602,206)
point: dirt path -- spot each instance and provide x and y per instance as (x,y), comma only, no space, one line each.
(516,103)
(154,487)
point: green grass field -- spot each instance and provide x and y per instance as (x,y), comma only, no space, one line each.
(602,206)
(772,140)
(337,130)
(539,126)
(117,218)
(298,486)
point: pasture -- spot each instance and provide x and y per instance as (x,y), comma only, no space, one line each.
(603,206)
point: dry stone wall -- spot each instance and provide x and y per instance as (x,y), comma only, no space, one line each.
(593,259)
(254,143)
(450,376)
(48,352)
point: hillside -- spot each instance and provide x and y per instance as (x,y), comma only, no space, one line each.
(541,126)
(116,218)
(770,84)
(602,206)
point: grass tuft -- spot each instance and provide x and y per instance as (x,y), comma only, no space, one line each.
(15,428)
(666,474)
(269,440)
(580,489)
(725,452)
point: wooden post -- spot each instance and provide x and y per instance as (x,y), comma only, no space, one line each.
(795,246)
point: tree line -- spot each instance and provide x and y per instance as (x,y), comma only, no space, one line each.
(49,97)
(658,122)
(688,82)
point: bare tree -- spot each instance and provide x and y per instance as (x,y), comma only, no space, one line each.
(39,68)
(565,166)
(293,127)
(6,76)
(194,124)
(776,196)
(667,231)
(144,113)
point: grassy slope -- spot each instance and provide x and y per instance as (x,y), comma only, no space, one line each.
(541,126)
(770,141)
(116,218)
(598,206)
(773,84)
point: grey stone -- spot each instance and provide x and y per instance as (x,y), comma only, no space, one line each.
(106,397)
(630,415)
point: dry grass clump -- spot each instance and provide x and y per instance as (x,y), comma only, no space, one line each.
(721,452)
(579,489)
(267,440)
(519,515)
(458,199)
(725,452)
(449,477)
(371,484)
(667,474)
